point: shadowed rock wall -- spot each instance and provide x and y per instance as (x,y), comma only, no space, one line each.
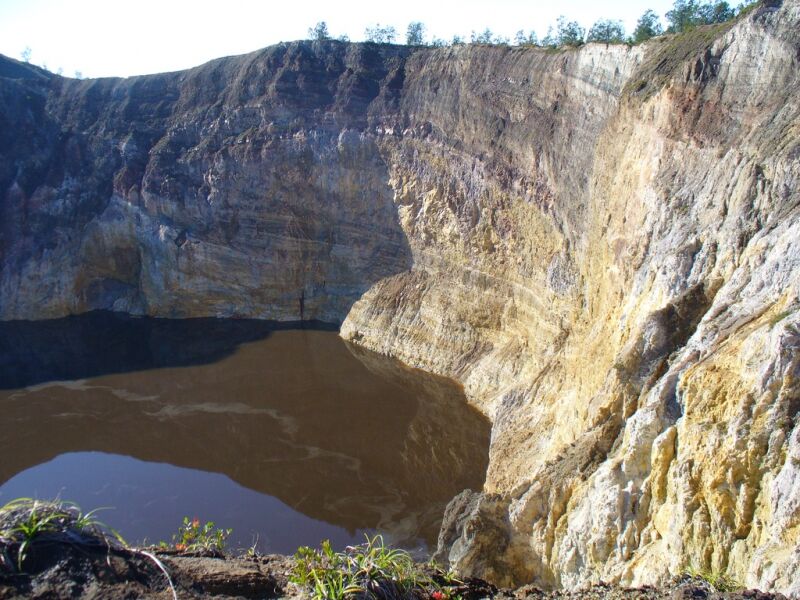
(246,187)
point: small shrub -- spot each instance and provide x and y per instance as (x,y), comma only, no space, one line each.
(192,536)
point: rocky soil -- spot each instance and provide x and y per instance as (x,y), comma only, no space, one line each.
(67,572)
(600,244)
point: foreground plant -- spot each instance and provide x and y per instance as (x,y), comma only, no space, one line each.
(192,536)
(26,522)
(370,570)
(718,581)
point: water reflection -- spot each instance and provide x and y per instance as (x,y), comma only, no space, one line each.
(342,437)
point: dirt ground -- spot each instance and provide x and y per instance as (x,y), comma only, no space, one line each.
(72,571)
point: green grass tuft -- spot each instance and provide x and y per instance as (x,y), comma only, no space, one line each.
(369,571)
(26,523)
(718,581)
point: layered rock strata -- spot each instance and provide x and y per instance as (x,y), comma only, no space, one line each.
(600,244)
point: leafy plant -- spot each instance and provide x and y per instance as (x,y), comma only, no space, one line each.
(521,39)
(648,26)
(569,33)
(252,551)
(687,14)
(193,536)
(319,32)
(370,570)
(380,35)
(606,31)
(415,34)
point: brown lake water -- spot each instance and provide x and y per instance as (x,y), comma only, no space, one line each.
(287,436)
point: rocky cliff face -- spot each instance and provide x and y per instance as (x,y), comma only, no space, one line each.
(246,187)
(600,244)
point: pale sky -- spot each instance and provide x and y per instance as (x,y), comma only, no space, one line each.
(109,37)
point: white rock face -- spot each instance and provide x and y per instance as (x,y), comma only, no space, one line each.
(622,301)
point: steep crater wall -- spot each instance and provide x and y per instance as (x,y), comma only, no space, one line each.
(599,244)
(246,187)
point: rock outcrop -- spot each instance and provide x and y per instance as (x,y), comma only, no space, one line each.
(600,244)
(246,187)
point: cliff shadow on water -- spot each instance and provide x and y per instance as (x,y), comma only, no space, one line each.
(104,343)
